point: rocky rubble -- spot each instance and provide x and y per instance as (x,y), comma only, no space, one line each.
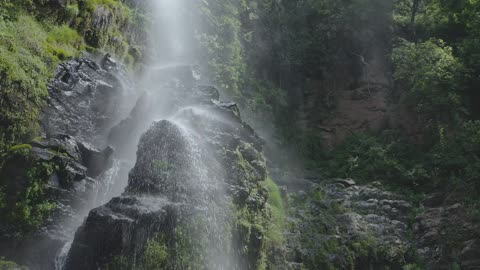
(347,226)
(342,225)
(446,235)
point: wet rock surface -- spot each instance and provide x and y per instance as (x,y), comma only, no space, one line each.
(192,172)
(86,100)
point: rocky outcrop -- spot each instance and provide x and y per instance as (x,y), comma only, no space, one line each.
(446,235)
(196,190)
(347,226)
(86,100)
(58,177)
(50,182)
(342,225)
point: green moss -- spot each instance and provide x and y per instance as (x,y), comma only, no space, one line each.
(191,244)
(64,42)
(118,263)
(29,55)
(160,166)
(24,202)
(23,149)
(8,265)
(156,255)
(275,231)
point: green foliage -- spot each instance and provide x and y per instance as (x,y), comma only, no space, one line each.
(222,44)
(29,54)
(275,231)
(161,166)
(370,158)
(25,74)
(118,263)
(24,202)
(64,42)
(8,265)
(456,162)
(111,36)
(431,75)
(155,256)
(192,245)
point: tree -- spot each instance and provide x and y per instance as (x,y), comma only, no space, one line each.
(431,75)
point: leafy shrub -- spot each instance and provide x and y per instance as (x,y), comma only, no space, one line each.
(156,255)
(24,203)
(457,161)
(431,75)
(369,158)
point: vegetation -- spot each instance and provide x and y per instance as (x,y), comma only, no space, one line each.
(7,265)
(24,203)
(155,256)
(276,229)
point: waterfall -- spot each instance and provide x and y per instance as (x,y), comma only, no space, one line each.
(171,45)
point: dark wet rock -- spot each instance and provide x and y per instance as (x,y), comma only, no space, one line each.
(96,161)
(108,63)
(65,164)
(85,101)
(470,255)
(345,182)
(190,170)
(120,227)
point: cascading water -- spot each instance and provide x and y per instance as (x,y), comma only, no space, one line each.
(171,41)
